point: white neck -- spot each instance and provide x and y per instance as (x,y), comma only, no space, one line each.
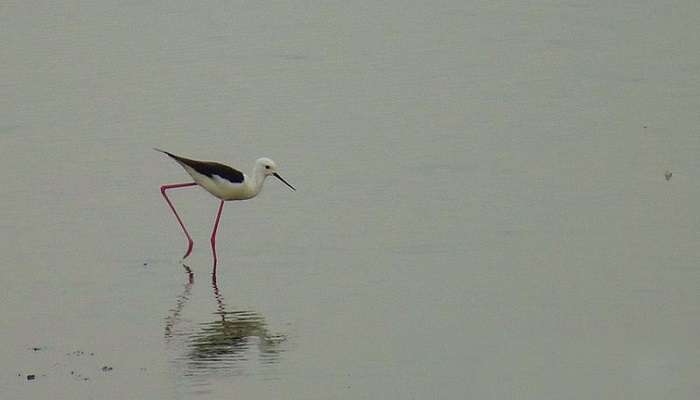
(257,178)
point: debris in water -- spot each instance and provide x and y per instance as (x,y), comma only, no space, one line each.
(668,175)
(36,348)
(106,369)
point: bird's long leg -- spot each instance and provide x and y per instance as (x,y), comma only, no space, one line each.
(163,188)
(213,235)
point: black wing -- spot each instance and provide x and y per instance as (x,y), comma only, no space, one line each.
(209,168)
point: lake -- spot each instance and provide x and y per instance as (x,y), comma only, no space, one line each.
(482,206)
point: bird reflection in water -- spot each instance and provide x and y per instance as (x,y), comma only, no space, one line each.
(174,315)
(225,343)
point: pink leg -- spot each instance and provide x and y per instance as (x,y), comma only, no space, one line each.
(213,234)
(175,186)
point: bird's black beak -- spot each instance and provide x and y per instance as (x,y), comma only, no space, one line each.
(282,179)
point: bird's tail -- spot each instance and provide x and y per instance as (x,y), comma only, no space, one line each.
(163,151)
(181,160)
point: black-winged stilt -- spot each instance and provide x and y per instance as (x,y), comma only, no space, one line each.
(222,181)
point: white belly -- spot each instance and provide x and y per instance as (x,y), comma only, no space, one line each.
(222,188)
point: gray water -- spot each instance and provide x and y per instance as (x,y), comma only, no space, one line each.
(481,209)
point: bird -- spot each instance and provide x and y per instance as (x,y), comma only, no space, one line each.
(224,183)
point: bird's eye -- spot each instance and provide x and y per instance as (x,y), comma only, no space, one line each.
(267,167)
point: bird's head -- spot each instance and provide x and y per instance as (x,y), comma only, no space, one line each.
(269,168)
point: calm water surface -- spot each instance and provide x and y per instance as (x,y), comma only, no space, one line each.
(481,208)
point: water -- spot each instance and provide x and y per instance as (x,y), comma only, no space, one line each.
(481,208)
